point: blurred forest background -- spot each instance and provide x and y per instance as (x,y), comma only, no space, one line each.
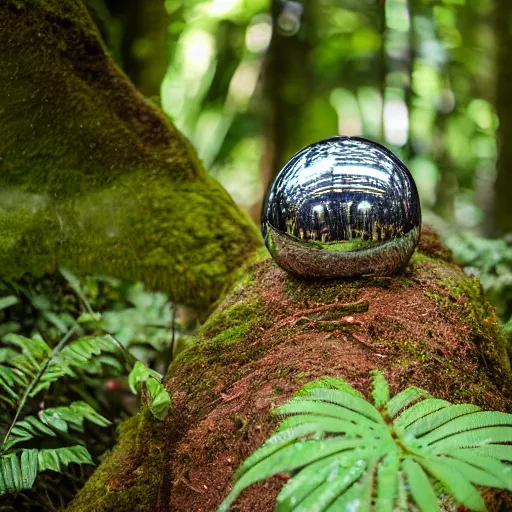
(250,82)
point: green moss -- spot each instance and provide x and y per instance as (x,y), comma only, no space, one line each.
(134,477)
(419,257)
(486,329)
(98,180)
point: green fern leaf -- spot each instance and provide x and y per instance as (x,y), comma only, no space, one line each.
(10,380)
(455,483)
(420,486)
(420,410)
(336,482)
(404,399)
(27,429)
(473,438)
(492,466)
(345,454)
(18,471)
(380,391)
(290,458)
(329,383)
(322,424)
(387,483)
(56,459)
(476,475)
(468,422)
(495,451)
(304,482)
(349,500)
(438,418)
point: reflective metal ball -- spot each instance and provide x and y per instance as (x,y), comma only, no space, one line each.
(344,206)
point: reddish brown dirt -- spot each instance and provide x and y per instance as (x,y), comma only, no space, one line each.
(418,329)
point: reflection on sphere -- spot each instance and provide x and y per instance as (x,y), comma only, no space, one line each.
(344,206)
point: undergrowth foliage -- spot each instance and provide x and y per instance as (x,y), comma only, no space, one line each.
(36,437)
(411,450)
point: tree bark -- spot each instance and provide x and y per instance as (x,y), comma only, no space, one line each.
(93,176)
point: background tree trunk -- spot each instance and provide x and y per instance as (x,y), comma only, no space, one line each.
(503,183)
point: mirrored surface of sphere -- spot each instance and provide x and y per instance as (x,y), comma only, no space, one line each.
(344,206)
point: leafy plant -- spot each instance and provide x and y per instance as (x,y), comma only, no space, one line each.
(33,369)
(148,383)
(346,454)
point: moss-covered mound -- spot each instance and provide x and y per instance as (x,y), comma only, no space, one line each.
(430,327)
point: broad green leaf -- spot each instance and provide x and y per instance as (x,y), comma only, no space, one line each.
(468,422)
(419,410)
(438,418)
(380,391)
(456,484)
(387,482)
(404,399)
(420,486)
(336,482)
(159,398)
(7,301)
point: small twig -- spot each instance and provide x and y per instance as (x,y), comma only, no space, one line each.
(190,486)
(36,380)
(359,306)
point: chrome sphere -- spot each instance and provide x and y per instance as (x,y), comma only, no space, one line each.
(344,206)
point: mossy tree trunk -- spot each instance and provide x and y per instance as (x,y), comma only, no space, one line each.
(94,177)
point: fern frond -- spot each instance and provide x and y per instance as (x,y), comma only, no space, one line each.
(468,422)
(18,471)
(420,487)
(53,421)
(304,482)
(387,483)
(380,391)
(56,459)
(404,399)
(345,454)
(329,383)
(440,417)
(419,410)
(455,483)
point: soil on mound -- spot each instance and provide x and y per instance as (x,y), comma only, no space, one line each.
(430,327)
